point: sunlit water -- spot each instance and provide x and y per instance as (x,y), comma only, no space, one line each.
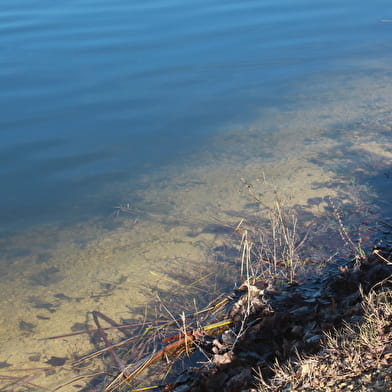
(171,110)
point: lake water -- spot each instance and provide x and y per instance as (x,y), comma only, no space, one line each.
(170,110)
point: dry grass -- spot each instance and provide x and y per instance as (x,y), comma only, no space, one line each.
(355,247)
(272,250)
(356,357)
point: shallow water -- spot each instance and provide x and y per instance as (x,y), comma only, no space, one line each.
(171,111)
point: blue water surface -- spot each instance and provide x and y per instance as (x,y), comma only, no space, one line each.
(95,93)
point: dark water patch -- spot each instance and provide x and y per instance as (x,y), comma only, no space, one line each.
(38,303)
(26,326)
(107,287)
(253,205)
(19,253)
(362,187)
(193,233)
(56,361)
(35,357)
(80,327)
(50,372)
(62,297)
(122,279)
(382,185)
(46,277)
(314,201)
(217,229)
(363,174)
(41,317)
(330,185)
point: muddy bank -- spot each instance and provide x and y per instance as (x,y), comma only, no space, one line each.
(273,324)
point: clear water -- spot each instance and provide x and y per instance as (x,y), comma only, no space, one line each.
(92,92)
(170,106)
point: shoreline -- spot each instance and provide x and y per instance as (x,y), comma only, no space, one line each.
(310,336)
(321,331)
(275,332)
